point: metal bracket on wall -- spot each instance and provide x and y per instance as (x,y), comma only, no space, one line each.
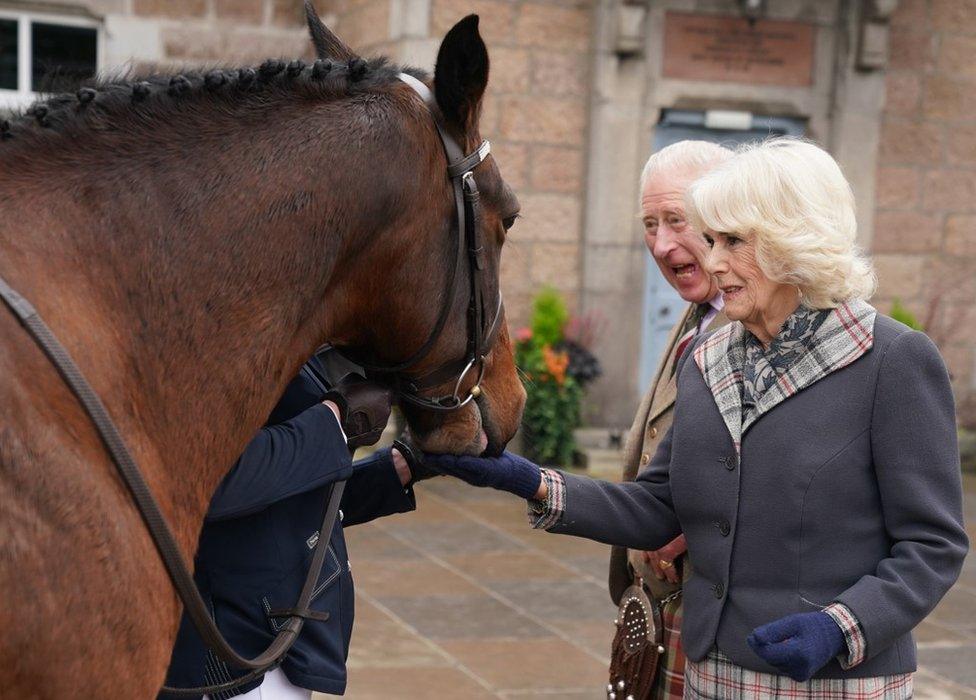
(629,20)
(872,49)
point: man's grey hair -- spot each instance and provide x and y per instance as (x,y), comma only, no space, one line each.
(684,156)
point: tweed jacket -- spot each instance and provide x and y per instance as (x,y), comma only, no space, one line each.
(650,425)
(845,488)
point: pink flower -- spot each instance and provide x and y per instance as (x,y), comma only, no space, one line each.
(523,335)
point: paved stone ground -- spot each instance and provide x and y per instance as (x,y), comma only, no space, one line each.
(462,599)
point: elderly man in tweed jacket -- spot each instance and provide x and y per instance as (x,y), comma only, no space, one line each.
(678,251)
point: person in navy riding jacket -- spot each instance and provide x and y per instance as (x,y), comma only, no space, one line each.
(262,526)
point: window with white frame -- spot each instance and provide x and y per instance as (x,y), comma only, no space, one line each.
(44,53)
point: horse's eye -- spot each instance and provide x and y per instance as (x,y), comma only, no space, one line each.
(508,222)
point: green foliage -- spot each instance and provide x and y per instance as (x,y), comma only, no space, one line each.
(552,407)
(900,313)
(552,412)
(549,316)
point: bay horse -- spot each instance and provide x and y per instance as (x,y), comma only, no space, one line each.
(191,240)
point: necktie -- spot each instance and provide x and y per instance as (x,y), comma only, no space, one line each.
(690,330)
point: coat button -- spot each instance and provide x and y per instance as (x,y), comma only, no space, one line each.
(730,463)
(653,433)
(724,527)
(645,458)
(719,590)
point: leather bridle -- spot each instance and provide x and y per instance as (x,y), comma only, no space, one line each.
(481,336)
(482,330)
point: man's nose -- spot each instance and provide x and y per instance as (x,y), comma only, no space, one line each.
(664,242)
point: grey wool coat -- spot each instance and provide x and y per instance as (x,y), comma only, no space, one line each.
(846,488)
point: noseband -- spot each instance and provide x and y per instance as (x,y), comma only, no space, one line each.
(481,331)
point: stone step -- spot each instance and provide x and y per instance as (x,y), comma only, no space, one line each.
(602,463)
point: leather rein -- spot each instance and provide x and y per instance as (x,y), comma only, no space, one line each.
(482,330)
(481,336)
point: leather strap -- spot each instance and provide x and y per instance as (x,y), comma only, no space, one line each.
(153,517)
(467,204)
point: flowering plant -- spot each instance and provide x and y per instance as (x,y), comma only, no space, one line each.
(555,369)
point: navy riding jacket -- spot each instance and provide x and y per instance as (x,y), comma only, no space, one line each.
(258,537)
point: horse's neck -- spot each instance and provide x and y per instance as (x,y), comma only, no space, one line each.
(190,301)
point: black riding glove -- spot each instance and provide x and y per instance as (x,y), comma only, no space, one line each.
(364,409)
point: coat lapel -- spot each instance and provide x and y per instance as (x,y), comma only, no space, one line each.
(846,334)
(664,389)
(665,395)
(720,360)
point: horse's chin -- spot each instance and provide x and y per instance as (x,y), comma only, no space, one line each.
(461,434)
(471,431)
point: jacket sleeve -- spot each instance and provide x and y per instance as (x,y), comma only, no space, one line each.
(283,460)
(374,490)
(635,514)
(916,461)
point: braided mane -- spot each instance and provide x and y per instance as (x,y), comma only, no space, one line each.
(162,98)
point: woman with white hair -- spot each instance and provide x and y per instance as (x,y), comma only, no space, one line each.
(812,463)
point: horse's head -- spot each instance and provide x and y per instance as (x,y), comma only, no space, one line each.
(436,325)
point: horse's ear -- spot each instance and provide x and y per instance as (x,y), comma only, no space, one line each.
(327,44)
(461,74)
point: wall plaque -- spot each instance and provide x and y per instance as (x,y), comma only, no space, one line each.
(729,49)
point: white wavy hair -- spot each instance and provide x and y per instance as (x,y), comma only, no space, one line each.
(791,197)
(684,156)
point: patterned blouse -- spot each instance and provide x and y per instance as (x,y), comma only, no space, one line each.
(716,676)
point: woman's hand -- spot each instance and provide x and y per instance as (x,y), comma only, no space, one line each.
(799,645)
(509,472)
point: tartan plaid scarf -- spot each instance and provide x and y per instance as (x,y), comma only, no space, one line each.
(846,333)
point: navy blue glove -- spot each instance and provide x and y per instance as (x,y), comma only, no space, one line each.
(509,472)
(799,645)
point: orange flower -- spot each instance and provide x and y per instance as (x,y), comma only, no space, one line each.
(556,363)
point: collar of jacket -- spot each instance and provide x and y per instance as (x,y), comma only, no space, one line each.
(844,336)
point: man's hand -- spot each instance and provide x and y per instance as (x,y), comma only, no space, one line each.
(364,409)
(662,560)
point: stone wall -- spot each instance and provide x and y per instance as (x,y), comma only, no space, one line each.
(169,34)
(924,241)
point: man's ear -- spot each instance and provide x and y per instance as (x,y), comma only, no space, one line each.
(327,44)
(461,74)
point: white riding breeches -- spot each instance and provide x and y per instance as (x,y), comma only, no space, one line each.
(276,686)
